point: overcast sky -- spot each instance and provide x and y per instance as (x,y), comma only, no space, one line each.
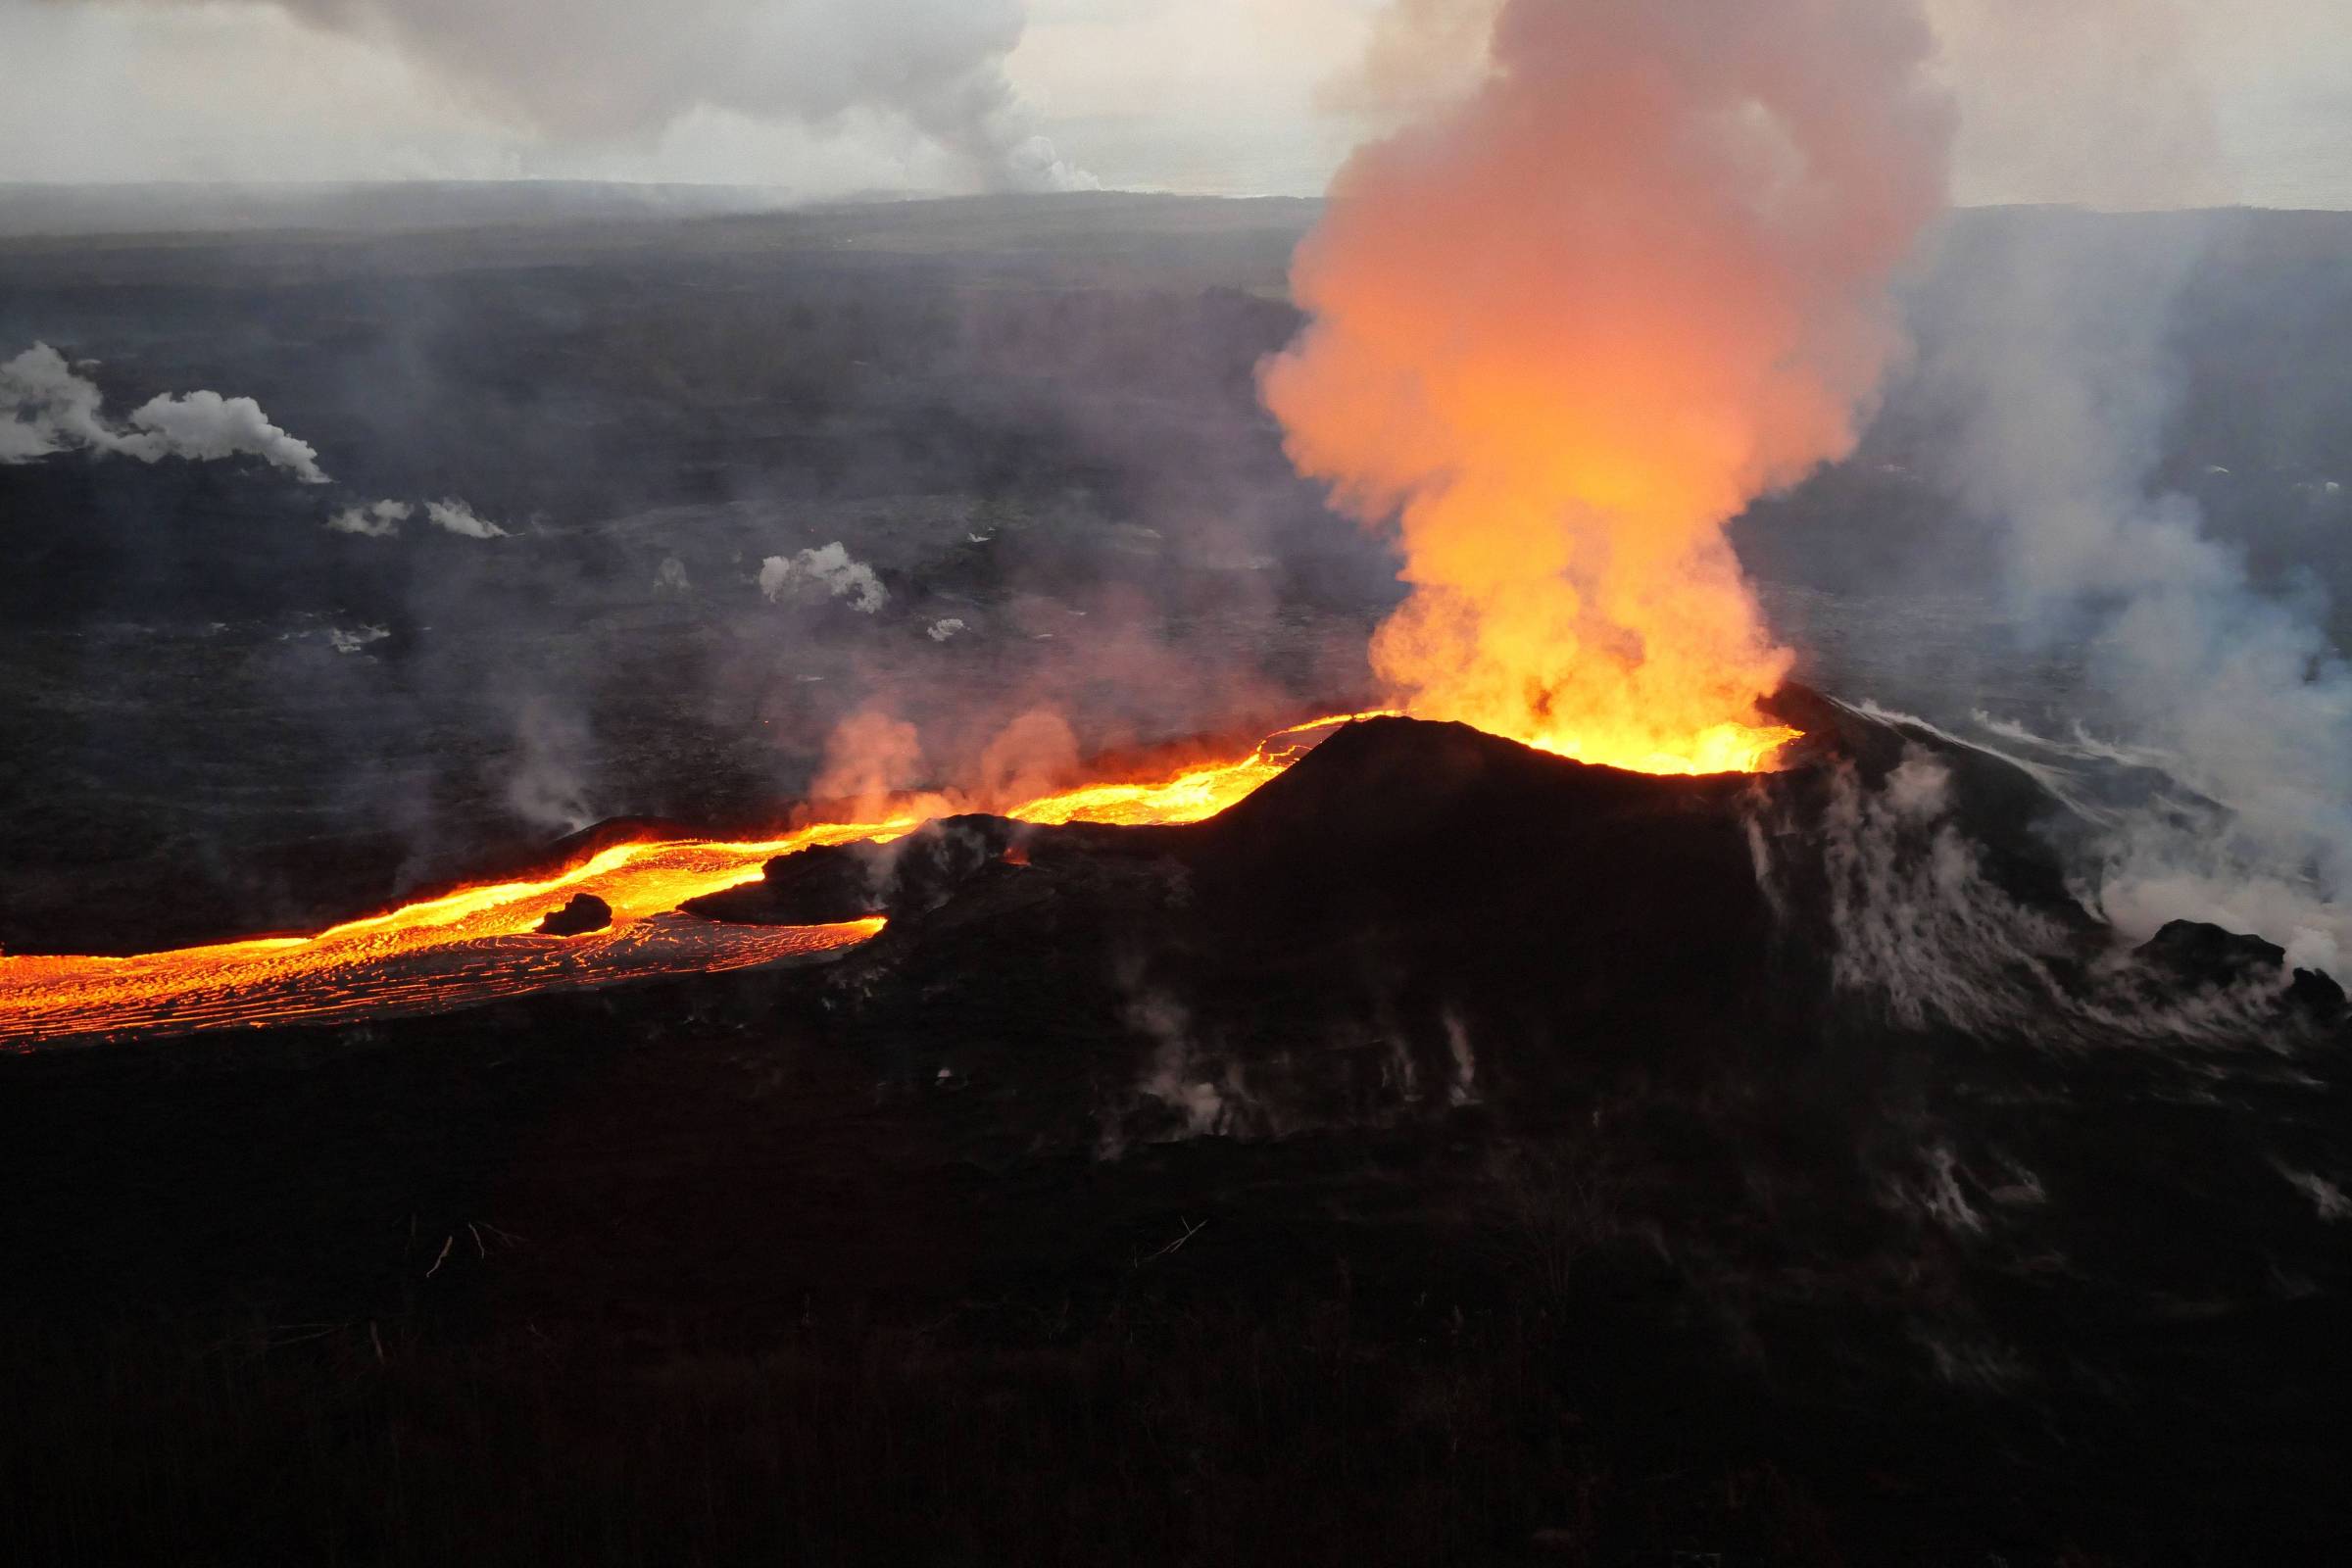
(2117,102)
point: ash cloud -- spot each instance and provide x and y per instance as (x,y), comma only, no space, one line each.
(48,407)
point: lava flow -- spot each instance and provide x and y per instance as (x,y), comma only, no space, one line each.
(481,943)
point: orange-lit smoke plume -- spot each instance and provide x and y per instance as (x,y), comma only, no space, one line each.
(1569,323)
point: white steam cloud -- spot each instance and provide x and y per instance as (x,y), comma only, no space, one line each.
(549,786)
(47,407)
(2065,385)
(828,567)
(453,515)
(380,521)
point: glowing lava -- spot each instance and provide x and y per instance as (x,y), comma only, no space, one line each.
(1571,320)
(481,943)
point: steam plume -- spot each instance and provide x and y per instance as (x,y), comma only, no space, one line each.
(1569,325)
(453,515)
(378,520)
(382,519)
(2066,384)
(46,407)
(829,567)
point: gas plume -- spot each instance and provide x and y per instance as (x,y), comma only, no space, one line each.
(453,515)
(46,405)
(1567,326)
(2066,384)
(380,520)
(827,566)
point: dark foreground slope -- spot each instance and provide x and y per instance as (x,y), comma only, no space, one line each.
(1449,1154)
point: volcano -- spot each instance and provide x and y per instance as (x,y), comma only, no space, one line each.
(1797,1122)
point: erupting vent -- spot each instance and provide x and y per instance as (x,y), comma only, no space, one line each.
(481,942)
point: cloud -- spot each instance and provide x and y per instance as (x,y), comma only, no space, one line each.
(828,567)
(455,516)
(48,407)
(615,73)
(2100,102)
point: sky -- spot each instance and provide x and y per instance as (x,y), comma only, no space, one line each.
(2249,101)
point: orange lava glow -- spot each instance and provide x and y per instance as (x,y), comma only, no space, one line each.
(1581,311)
(1193,795)
(481,943)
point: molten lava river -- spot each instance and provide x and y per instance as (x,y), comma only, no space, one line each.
(482,943)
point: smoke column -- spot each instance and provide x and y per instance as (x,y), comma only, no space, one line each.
(1571,321)
(2066,384)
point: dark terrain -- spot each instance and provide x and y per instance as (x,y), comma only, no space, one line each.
(1450,1154)
(1038,418)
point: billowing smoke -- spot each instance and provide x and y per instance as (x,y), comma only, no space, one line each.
(615,71)
(2064,385)
(828,568)
(1569,325)
(47,405)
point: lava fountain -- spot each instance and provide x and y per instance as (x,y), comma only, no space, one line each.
(1569,325)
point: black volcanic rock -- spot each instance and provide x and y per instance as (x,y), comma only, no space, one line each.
(2207,955)
(833,883)
(1767,1083)
(585,912)
(821,886)
(2197,954)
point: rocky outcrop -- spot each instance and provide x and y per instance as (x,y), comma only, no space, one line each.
(586,913)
